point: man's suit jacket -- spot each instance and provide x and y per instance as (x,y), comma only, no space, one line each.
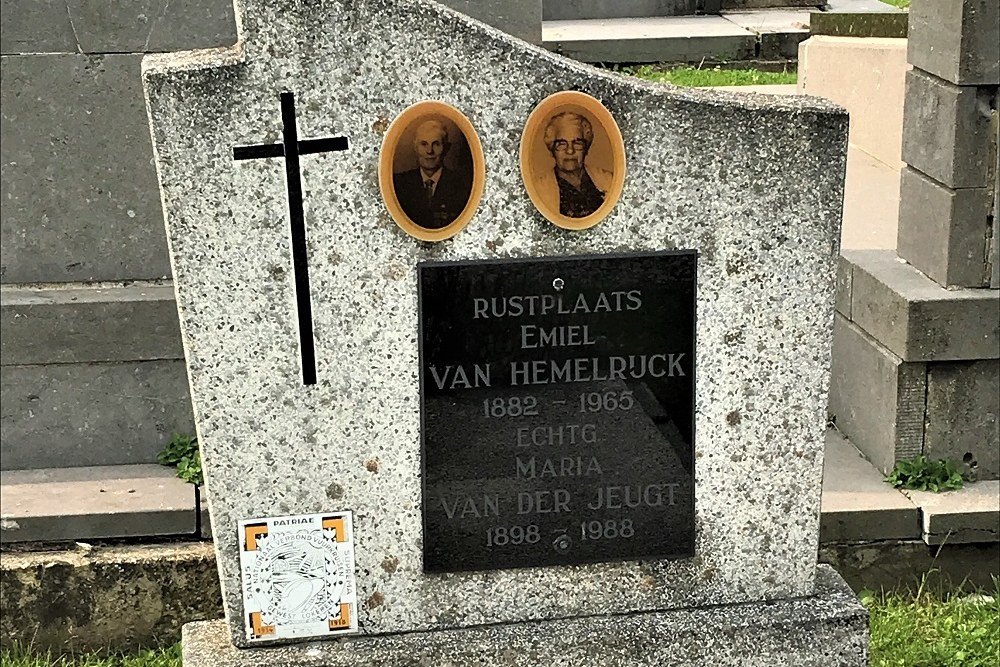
(449,200)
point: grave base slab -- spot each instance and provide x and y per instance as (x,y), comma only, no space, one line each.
(829,629)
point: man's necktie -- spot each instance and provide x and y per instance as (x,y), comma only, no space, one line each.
(429,189)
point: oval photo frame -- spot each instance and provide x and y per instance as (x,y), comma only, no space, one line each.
(431,170)
(598,162)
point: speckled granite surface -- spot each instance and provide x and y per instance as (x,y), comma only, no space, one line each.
(753,183)
(828,630)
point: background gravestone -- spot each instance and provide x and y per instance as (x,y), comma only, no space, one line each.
(753,184)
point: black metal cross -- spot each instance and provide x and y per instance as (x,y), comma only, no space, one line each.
(291,148)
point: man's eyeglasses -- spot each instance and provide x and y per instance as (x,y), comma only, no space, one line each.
(562,144)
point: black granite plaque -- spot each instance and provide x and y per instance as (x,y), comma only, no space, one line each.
(557,410)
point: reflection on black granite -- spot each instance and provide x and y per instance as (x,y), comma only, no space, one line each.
(557,410)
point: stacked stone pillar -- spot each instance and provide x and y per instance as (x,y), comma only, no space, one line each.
(916,345)
(947,192)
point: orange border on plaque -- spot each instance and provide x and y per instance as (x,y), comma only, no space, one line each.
(338,525)
(344,621)
(251,533)
(533,129)
(388,154)
(259,629)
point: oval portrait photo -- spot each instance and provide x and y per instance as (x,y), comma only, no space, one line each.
(431,171)
(572,160)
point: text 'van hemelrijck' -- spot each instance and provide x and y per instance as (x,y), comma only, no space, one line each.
(596,369)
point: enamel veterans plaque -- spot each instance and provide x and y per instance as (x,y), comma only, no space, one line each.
(557,400)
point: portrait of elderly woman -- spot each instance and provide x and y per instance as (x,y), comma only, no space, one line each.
(572,159)
(579,188)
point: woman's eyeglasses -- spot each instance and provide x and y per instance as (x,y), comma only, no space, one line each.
(561,144)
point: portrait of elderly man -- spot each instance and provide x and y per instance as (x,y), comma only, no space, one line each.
(432,195)
(579,188)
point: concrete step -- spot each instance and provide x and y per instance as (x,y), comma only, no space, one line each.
(568,10)
(860,6)
(778,32)
(93,374)
(739,32)
(96,322)
(740,35)
(654,39)
(106,502)
(125,596)
(858,506)
(91,414)
(913,316)
(970,515)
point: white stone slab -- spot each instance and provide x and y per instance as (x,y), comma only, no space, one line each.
(659,39)
(753,182)
(640,28)
(970,514)
(871,203)
(866,76)
(774,20)
(858,505)
(55,504)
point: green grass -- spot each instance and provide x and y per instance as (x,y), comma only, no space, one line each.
(907,630)
(715,76)
(901,4)
(18,656)
(934,629)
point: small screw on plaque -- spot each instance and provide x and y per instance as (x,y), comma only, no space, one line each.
(558,284)
(562,543)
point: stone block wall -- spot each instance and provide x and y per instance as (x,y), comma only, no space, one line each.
(93,370)
(915,365)
(950,141)
(957,40)
(917,332)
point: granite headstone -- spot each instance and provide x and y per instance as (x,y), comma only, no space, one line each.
(749,188)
